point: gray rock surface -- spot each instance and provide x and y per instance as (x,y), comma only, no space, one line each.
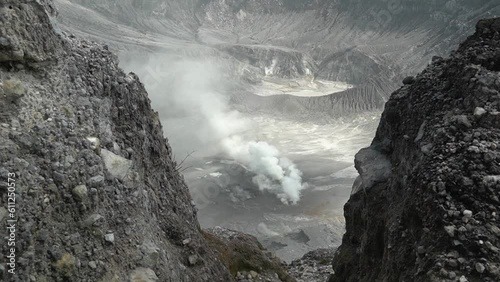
(435,218)
(314,266)
(245,257)
(21,40)
(373,166)
(87,208)
(119,167)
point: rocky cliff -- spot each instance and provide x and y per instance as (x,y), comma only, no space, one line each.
(84,167)
(90,190)
(426,204)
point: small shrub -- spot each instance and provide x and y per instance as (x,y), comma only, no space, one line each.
(66,266)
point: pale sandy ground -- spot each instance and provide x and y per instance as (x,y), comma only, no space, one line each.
(299,87)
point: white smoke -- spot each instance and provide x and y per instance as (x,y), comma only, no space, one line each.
(191,98)
(189,95)
(275,174)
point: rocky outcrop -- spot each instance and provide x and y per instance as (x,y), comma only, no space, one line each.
(435,216)
(272,61)
(315,266)
(26,32)
(245,257)
(97,194)
(373,167)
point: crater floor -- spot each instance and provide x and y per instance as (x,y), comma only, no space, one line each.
(226,196)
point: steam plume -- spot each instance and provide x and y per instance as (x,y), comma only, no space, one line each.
(275,174)
(191,97)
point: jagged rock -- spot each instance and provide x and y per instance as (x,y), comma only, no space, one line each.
(480,267)
(150,253)
(434,218)
(93,220)
(253,274)
(96,143)
(467,213)
(80,192)
(495,230)
(116,165)
(241,253)
(193,260)
(479,112)
(96,181)
(373,167)
(12,91)
(450,230)
(21,40)
(314,266)
(109,237)
(463,121)
(409,80)
(143,275)
(274,61)
(72,106)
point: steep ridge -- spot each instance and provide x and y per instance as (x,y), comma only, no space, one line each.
(343,104)
(397,33)
(88,177)
(425,207)
(98,196)
(369,44)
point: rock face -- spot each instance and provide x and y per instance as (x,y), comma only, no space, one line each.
(245,257)
(435,217)
(20,39)
(98,195)
(313,267)
(373,167)
(278,62)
